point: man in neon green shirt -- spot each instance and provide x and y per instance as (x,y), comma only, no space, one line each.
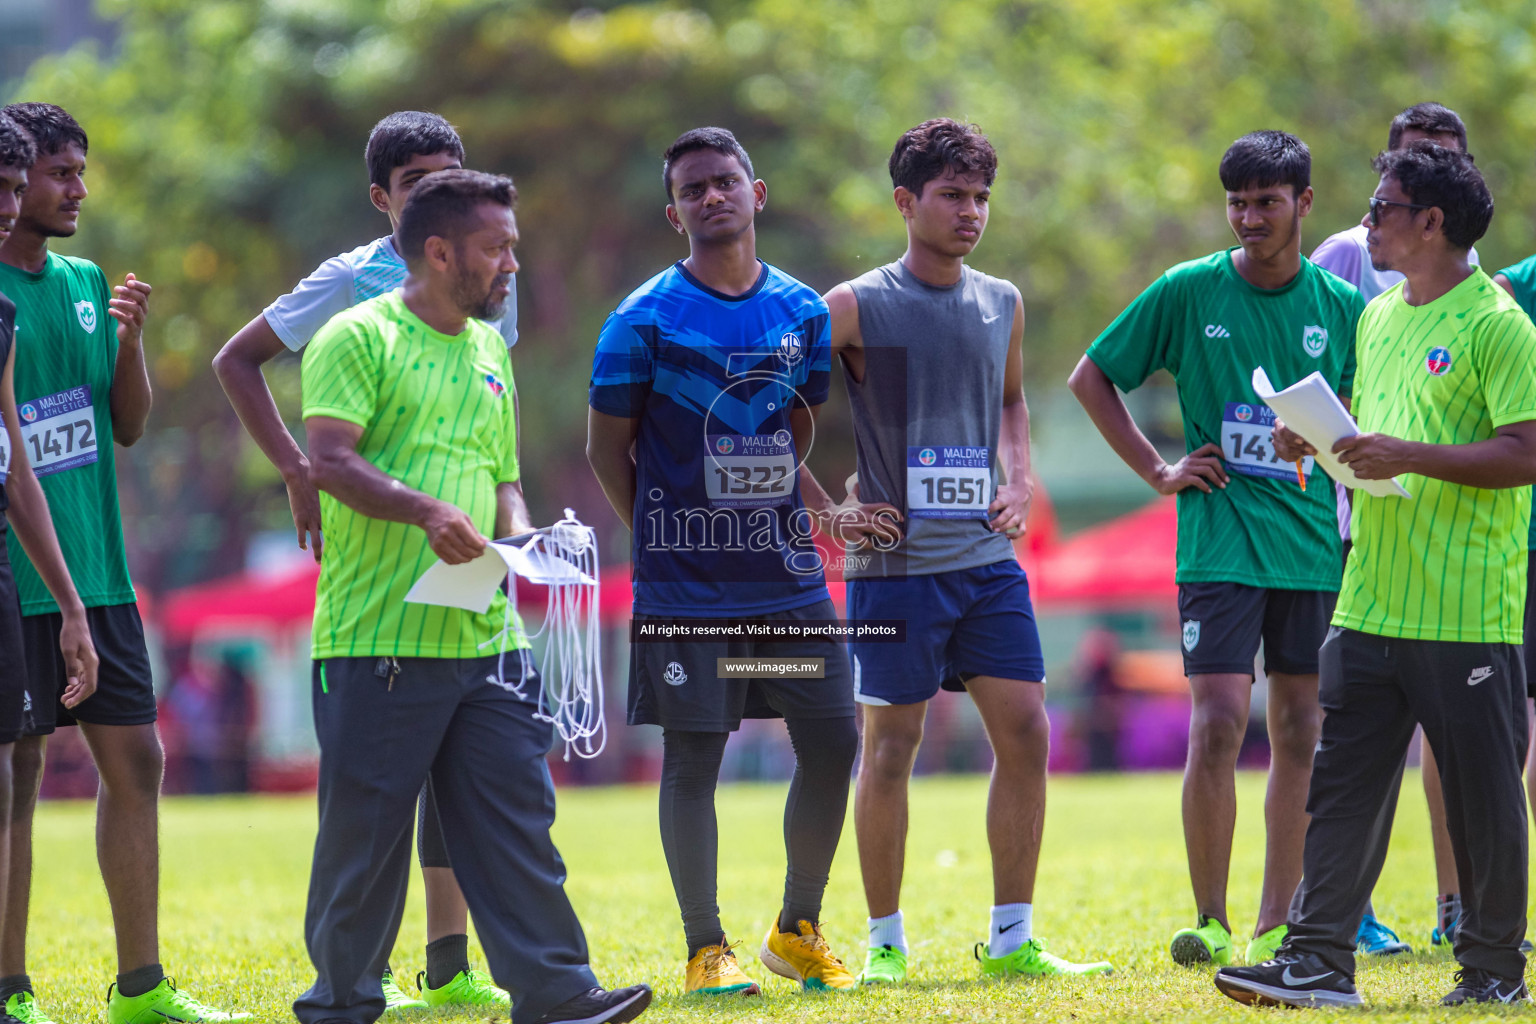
(412,441)
(1431,613)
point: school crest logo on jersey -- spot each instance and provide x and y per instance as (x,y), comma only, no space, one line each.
(674,675)
(791,348)
(497,387)
(86,311)
(1438,362)
(1315,340)
(1191,634)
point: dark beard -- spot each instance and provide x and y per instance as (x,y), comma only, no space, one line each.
(480,307)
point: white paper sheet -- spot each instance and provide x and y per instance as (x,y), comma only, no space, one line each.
(1312,409)
(472,584)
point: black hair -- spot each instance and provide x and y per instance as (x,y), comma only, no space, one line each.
(16,146)
(50,126)
(937,146)
(718,140)
(1429,118)
(1264,159)
(406,134)
(442,204)
(1432,175)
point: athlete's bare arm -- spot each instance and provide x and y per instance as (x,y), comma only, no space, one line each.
(340,471)
(33,524)
(850,520)
(1505,283)
(610,452)
(511,510)
(1200,468)
(238,367)
(1507,459)
(131,396)
(1010,508)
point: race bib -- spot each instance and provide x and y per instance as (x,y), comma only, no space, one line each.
(1247,446)
(749,470)
(59,430)
(945,482)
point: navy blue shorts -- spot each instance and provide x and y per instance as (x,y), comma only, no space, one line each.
(961,624)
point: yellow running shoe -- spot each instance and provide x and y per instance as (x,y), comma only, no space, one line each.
(805,958)
(713,971)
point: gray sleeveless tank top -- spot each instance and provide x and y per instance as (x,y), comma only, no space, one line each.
(926,416)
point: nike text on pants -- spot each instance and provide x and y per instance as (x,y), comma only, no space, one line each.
(1470,698)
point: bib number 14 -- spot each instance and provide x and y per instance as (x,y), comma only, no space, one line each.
(1247,446)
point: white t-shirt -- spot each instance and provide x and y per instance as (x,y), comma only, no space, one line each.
(1346,255)
(341,282)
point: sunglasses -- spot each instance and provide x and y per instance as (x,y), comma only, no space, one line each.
(1377,204)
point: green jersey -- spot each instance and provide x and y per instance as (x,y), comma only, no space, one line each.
(1522,278)
(1210,328)
(66,355)
(437,415)
(1448,563)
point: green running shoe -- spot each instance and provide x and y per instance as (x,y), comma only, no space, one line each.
(467,988)
(23,1006)
(1207,943)
(884,965)
(1262,947)
(163,1003)
(395,998)
(1032,959)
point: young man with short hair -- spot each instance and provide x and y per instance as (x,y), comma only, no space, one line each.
(401,150)
(24,506)
(933,358)
(1347,255)
(1430,618)
(81,385)
(1259,556)
(711,374)
(412,441)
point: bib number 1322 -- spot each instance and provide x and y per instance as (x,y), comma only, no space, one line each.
(1247,446)
(59,430)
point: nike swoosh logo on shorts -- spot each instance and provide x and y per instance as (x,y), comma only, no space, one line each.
(1478,675)
(1291,979)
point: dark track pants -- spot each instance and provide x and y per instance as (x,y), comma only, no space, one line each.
(378,741)
(1470,698)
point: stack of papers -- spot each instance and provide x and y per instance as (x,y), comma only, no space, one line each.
(1311,409)
(471,585)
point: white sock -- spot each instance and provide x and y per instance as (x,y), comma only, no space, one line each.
(888,931)
(1010,928)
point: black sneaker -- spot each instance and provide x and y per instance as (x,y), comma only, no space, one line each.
(1290,979)
(1475,985)
(598,1006)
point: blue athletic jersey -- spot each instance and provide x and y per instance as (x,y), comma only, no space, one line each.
(719,525)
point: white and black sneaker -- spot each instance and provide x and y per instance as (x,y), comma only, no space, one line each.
(1290,979)
(599,1006)
(1475,985)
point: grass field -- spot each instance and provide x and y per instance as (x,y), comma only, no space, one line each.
(1112,884)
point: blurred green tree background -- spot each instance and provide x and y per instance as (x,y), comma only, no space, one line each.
(227,137)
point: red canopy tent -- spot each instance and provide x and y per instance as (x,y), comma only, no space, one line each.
(1128,560)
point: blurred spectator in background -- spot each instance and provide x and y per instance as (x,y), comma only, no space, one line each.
(234,715)
(1098,658)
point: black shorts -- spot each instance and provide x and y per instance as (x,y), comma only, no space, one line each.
(674,684)
(1222,624)
(125,690)
(1530,622)
(14,703)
